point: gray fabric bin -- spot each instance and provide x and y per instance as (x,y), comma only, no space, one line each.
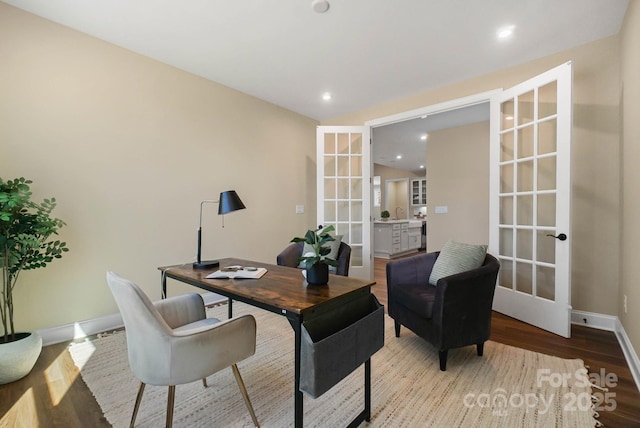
(336,343)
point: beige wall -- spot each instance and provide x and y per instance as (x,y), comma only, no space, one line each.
(458,178)
(129,147)
(630,43)
(596,159)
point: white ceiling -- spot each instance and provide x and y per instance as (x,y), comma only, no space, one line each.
(403,138)
(364,52)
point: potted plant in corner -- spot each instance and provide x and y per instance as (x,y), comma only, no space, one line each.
(385,215)
(314,255)
(25,229)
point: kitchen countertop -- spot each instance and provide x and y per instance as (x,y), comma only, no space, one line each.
(412,222)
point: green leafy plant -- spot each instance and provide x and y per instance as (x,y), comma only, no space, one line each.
(385,214)
(25,229)
(317,240)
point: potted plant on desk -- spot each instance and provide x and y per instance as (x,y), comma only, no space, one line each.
(314,255)
(25,229)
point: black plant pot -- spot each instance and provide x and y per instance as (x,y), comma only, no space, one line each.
(318,274)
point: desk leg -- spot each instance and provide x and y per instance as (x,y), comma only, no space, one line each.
(367,390)
(230,308)
(297,394)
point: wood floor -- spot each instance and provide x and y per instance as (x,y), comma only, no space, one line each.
(54,395)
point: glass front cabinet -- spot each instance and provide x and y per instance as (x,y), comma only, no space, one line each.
(419,191)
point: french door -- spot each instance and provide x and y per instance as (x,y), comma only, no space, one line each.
(530,207)
(343,185)
(530,194)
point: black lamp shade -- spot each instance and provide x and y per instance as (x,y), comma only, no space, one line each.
(229,202)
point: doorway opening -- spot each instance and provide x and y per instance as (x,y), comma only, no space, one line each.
(399,146)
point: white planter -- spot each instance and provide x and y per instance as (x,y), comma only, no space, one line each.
(18,358)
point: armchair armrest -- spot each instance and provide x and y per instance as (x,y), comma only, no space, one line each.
(225,343)
(181,310)
(468,288)
(462,306)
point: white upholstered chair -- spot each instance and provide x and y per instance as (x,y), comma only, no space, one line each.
(172,342)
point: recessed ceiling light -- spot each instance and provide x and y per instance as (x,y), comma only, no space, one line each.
(399,157)
(424,137)
(326,96)
(421,166)
(505,32)
(320,6)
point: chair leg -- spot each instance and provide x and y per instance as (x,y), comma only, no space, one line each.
(480,347)
(245,395)
(443,359)
(137,405)
(396,324)
(204,382)
(170,399)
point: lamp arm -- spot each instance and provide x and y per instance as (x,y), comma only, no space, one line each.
(210,201)
(199,254)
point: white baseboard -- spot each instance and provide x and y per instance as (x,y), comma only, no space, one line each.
(82,329)
(593,320)
(611,323)
(629,353)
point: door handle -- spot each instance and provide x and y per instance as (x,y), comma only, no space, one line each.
(561,237)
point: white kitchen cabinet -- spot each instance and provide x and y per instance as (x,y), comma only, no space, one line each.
(419,191)
(393,238)
(415,238)
(404,237)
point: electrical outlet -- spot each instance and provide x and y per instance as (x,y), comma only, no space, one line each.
(624,303)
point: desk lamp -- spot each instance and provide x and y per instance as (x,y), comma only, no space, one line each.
(229,201)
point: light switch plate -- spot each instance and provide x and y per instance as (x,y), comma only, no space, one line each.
(299,209)
(442,209)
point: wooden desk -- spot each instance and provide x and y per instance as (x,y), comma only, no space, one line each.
(282,290)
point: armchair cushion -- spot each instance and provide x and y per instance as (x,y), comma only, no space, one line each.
(418,298)
(456,257)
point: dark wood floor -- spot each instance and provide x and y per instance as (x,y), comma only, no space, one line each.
(54,395)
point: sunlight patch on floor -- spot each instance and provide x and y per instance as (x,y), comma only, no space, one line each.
(59,377)
(23,412)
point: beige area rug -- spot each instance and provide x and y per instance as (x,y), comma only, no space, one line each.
(507,387)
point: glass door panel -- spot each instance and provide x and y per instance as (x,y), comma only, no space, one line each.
(548,100)
(506,147)
(341,183)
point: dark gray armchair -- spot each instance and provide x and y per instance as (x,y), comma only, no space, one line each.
(289,257)
(454,313)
